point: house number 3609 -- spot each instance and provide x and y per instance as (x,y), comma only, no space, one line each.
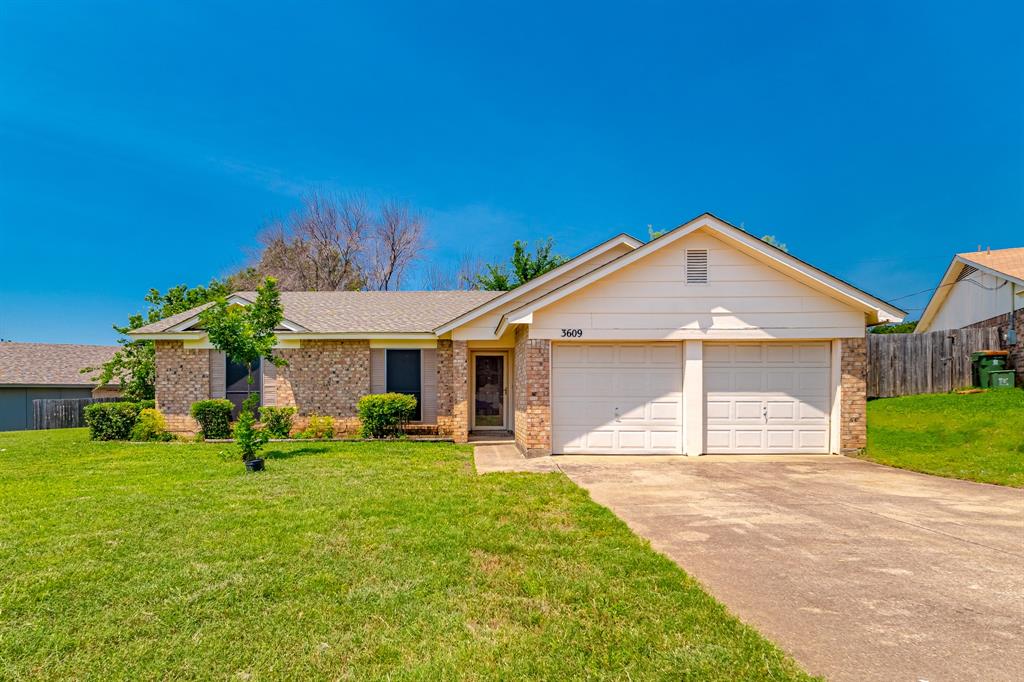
(572,333)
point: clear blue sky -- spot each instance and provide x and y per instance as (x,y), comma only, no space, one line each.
(144,144)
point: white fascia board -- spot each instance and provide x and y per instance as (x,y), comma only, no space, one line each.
(198,336)
(939,295)
(836,287)
(603,247)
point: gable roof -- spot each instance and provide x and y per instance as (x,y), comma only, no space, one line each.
(349,312)
(877,309)
(50,364)
(1005,263)
(505,297)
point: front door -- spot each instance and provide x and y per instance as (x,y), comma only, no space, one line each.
(489,391)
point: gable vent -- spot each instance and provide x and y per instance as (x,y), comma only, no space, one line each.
(966,272)
(696,266)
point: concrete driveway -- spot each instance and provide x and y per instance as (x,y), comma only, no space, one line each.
(861,572)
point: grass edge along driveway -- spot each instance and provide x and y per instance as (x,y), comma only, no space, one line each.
(343,560)
(976,436)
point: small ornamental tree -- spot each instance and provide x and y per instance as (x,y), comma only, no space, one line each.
(246,332)
(249,438)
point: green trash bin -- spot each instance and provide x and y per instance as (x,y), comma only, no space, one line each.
(984,362)
(1000,378)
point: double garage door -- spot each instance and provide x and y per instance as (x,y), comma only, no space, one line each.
(628,398)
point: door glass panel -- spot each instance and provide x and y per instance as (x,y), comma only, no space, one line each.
(490,390)
(237,386)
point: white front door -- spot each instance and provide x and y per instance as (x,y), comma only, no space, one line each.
(767,397)
(609,398)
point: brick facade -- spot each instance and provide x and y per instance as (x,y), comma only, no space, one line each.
(532,389)
(853,428)
(182,378)
(1002,323)
(460,392)
(325,378)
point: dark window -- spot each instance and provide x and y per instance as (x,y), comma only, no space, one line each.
(403,375)
(237,386)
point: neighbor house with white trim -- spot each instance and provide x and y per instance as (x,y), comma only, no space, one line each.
(704,340)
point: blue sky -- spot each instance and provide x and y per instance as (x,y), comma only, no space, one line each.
(145,144)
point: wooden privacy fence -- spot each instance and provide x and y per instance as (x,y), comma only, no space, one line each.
(62,413)
(936,362)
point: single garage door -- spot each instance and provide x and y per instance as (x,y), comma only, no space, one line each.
(767,397)
(616,398)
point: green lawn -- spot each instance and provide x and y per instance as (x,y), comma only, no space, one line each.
(350,561)
(978,437)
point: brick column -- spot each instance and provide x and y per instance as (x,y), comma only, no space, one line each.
(853,428)
(460,391)
(182,378)
(532,386)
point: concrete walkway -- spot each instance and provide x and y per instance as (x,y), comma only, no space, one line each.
(861,572)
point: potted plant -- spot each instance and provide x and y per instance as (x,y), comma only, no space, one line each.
(250,438)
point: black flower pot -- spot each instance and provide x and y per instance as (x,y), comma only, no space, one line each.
(254,464)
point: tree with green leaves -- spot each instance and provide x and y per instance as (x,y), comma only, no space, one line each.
(524,266)
(246,332)
(133,366)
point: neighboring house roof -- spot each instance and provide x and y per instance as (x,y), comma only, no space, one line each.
(352,312)
(50,364)
(876,309)
(1007,264)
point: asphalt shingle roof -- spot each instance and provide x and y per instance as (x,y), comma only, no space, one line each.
(347,312)
(1007,261)
(36,364)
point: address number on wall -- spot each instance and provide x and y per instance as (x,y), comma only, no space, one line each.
(572,333)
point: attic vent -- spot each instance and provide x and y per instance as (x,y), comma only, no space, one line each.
(696,266)
(966,272)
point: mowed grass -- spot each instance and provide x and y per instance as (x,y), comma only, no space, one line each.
(978,437)
(341,561)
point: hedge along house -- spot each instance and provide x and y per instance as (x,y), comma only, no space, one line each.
(705,340)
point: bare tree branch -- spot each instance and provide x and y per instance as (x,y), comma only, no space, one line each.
(398,242)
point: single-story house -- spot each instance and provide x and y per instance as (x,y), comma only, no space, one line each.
(982,289)
(704,340)
(35,371)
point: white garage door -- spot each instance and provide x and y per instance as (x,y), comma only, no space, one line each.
(616,398)
(767,397)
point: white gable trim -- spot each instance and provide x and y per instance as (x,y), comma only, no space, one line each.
(946,285)
(773,256)
(533,284)
(186,325)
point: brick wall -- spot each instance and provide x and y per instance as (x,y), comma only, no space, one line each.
(1002,323)
(460,392)
(182,378)
(853,428)
(325,378)
(532,389)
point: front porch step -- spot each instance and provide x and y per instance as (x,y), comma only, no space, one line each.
(490,437)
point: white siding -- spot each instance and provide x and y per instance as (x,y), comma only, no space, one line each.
(483,327)
(743,299)
(981,298)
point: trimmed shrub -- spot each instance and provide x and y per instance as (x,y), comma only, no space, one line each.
(111,421)
(150,425)
(277,420)
(318,428)
(214,417)
(384,414)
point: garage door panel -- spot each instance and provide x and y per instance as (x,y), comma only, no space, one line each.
(629,400)
(767,397)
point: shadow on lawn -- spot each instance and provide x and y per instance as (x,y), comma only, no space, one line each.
(300,452)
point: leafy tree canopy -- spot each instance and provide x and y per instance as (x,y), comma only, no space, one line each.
(246,332)
(896,328)
(522,267)
(133,366)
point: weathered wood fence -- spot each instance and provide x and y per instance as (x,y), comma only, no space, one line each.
(62,413)
(936,362)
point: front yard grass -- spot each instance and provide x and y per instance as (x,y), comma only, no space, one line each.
(978,436)
(341,561)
